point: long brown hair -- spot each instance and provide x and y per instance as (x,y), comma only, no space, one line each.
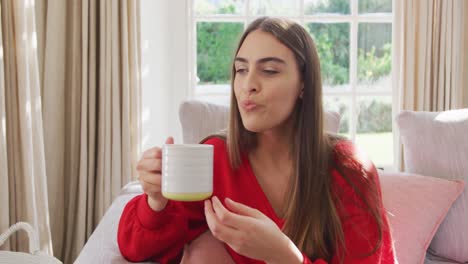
(312,220)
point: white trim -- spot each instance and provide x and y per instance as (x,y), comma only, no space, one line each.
(362,93)
(389,168)
(247,8)
(301,11)
(353,75)
(208,89)
(220,19)
(192,49)
(302,19)
(397,45)
(346,18)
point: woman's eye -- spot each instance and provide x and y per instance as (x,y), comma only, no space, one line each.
(241,70)
(270,72)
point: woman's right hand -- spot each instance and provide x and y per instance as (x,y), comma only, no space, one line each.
(149,174)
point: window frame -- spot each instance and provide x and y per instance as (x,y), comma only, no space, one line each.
(353,18)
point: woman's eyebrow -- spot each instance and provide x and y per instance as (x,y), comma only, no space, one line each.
(262,60)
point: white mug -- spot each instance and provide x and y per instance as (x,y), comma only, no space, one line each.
(187,171)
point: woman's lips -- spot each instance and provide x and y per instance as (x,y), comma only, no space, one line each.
(248,105)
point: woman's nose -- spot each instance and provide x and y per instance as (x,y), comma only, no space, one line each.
(251,84)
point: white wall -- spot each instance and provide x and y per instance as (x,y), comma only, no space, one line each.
(465,59)
(165,77)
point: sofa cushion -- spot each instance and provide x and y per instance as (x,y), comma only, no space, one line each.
(200,119)
(416,205)
(101,246)
(436,144)
(414,213)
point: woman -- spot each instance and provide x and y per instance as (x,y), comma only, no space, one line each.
(284,190)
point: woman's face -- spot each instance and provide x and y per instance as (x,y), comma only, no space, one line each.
(267,82)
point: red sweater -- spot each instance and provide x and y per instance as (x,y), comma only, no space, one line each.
(160,236)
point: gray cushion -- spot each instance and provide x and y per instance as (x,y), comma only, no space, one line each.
(200,119)
(436,144)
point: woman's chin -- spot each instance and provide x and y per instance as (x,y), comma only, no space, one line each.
(254,128)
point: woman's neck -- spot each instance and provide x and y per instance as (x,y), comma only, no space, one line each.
(273,148)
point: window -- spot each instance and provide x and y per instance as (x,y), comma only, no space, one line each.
(354,41)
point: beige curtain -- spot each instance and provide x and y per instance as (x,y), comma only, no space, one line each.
(22,159)
(429,46)
(91,88)
(4,195)
(429,42)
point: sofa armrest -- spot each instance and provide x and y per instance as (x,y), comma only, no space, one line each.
(102,245)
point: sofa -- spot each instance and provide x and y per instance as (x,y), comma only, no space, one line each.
(416,205)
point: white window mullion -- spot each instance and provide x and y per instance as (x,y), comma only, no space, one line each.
(396,48)
(246,13)
(353,68)
(375,18)
(301,12)
(247,8)
(364,93)
(225,91)
(220,19)
(192,49)
(326,19)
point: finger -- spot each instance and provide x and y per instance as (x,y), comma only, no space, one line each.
(170,140)
(242,209)
(220,231)
(152,153)
(151,189)
(227,217)
(149,165)
(150,178)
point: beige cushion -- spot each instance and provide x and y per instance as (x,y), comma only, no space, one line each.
(436,144)
(200,119)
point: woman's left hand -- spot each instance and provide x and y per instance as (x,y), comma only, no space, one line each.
(249,232)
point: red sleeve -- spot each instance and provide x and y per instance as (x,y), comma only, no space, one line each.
(359,227)
(308,261)
(144,234)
